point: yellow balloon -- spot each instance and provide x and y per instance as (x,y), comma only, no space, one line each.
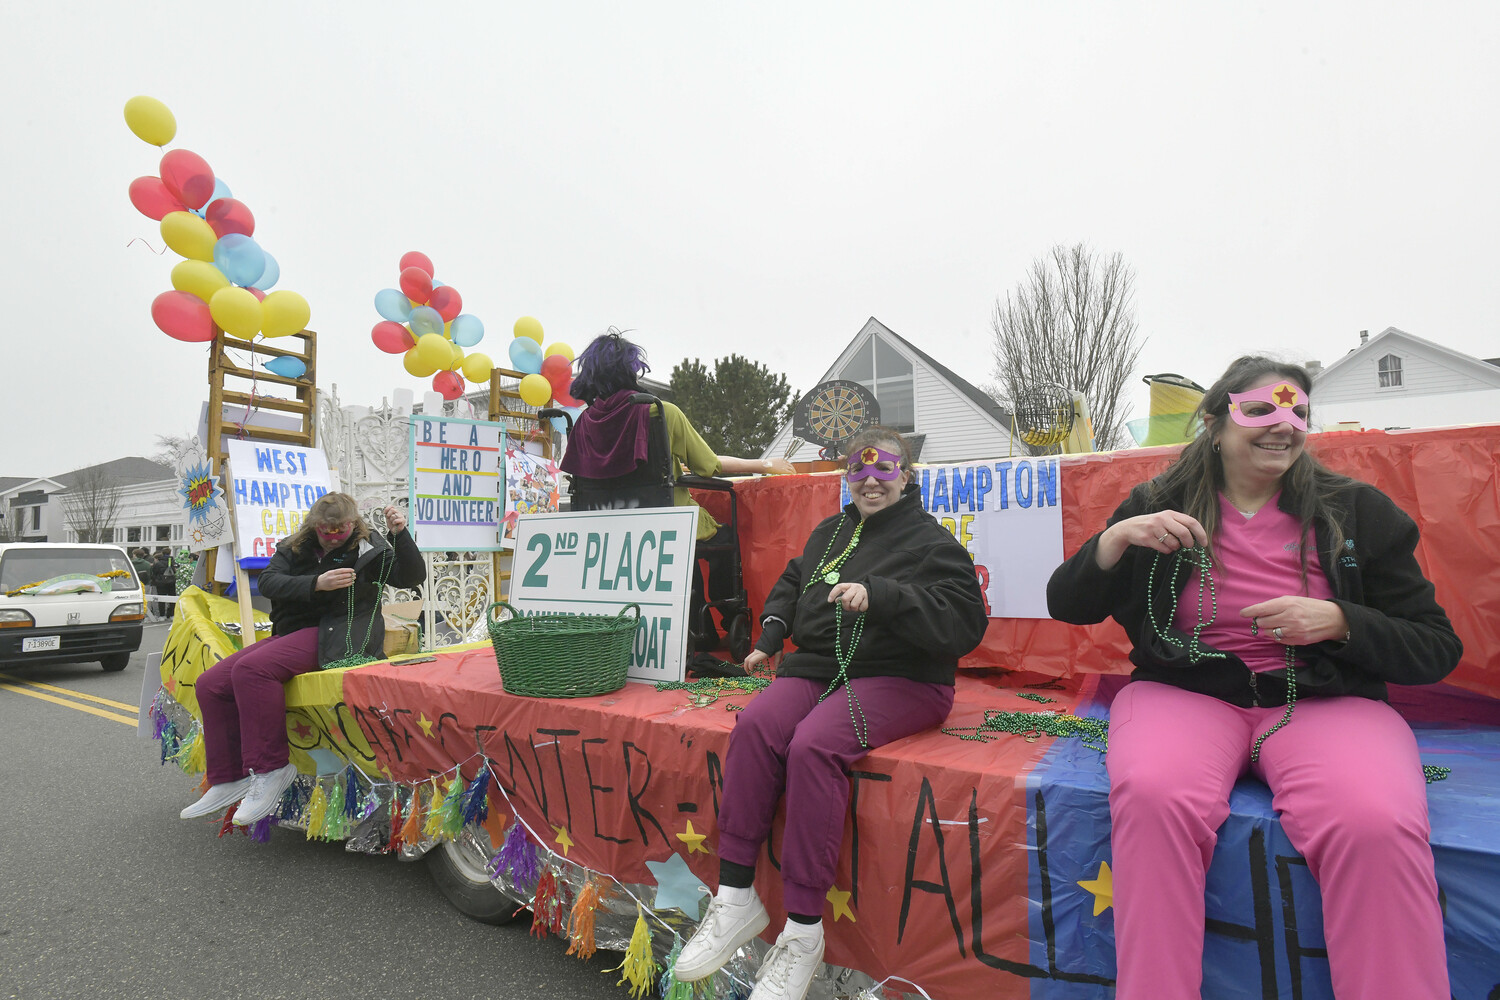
(535,390)
(236,311)
(457,360)
(435,352)
(558,348)
(284,313)
(198,277)
(189,235)
(477,367)
(415,365)
(150,120)
(529,326)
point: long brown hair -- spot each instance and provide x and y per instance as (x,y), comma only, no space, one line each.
(328,510)
(1197,477)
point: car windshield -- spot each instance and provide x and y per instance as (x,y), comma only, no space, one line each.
(22,566)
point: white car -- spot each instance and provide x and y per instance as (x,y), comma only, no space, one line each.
(63,603)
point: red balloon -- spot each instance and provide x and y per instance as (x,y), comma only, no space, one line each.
(392,338)
(446,300)
(230,215)
(151,197)
(416,284)
(449,384)
(188,176)
(418,260)
(260,296)
(557,369)
(561,397)
(183,316)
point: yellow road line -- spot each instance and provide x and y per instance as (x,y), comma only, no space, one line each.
(72,694)
(70,704)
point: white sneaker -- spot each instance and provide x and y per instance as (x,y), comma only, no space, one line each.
(216,798)
(788,969)
(264,794)
(725,928)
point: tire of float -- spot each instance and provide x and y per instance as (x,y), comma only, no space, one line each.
(461,877)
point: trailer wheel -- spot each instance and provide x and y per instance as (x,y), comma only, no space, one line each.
(458,868)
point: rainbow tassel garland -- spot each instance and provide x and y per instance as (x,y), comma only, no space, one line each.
(639,966)
(581,941)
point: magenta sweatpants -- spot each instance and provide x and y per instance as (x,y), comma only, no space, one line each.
(1347,781)
(244,704)
(787,741)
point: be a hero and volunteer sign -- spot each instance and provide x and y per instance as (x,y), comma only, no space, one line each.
(457,478)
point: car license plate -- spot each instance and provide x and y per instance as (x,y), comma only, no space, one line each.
(40,642)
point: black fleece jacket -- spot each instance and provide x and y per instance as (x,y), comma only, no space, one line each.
(290,582)
(1397,631)
(926,609)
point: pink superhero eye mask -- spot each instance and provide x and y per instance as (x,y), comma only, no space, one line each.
(1284,399)
(865,464)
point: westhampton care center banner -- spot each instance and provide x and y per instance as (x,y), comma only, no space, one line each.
(457,480)
(1006,513)
(274,486)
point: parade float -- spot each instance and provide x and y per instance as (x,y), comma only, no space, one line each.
(975,860)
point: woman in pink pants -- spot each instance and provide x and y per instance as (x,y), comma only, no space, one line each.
(1269,602)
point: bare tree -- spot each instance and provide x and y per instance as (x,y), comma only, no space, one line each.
(1071,323)
(91,505)
(170,448)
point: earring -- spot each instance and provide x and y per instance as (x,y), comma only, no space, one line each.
(1216,447)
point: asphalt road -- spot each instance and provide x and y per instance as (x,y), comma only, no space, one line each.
(105,893)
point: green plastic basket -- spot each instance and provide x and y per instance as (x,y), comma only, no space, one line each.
(562,656)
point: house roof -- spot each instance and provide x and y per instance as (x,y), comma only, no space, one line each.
(1393,339)
(977,396)
(125,471)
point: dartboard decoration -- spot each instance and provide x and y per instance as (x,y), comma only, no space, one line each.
(833,412)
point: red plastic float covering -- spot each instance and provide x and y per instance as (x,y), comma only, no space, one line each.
(1446,479)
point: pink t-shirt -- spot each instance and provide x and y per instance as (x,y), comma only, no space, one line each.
(1255,559)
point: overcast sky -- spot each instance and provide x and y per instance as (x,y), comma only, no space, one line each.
(752,178)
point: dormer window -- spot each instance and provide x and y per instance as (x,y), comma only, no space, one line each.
(1389,368)
(882,369)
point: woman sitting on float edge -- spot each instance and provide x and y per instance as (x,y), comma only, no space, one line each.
(1245,561)
(882,603)
(325,585)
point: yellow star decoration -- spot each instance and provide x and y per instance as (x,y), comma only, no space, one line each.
(693,839)
(840,900)
(425,723)
(563,839)
(1102,887)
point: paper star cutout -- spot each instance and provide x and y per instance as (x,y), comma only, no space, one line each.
(425,723)
(1286,395)
(563,839)
(303,730)
(693,839)
(840,900)
(676,886)
(1103,888)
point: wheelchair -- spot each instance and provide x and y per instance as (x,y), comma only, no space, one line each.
(651,485)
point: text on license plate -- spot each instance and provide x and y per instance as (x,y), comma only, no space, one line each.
(40,642)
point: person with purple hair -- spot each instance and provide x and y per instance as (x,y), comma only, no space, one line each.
(609,438)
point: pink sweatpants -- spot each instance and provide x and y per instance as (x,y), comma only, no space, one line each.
(1347,781)
(244,704)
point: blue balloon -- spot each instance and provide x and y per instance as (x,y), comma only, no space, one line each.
(392,304)
(526,356)
(287,367)
(269,276)
(466,330)
(438,284)
(425,319)
(221,190)
(558,423)
(240,258)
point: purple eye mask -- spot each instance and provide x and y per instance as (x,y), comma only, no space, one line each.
(864,465)
(1283,397)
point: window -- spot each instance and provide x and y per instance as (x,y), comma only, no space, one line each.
(132,534)
(163,532)
(36,519)
(882,369)
(1390,371)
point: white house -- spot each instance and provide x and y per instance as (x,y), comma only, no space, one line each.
(1395,379)
(147,511)
(942,414)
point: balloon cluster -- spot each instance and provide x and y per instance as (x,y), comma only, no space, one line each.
(546,373)
(423,321)
(224,275)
